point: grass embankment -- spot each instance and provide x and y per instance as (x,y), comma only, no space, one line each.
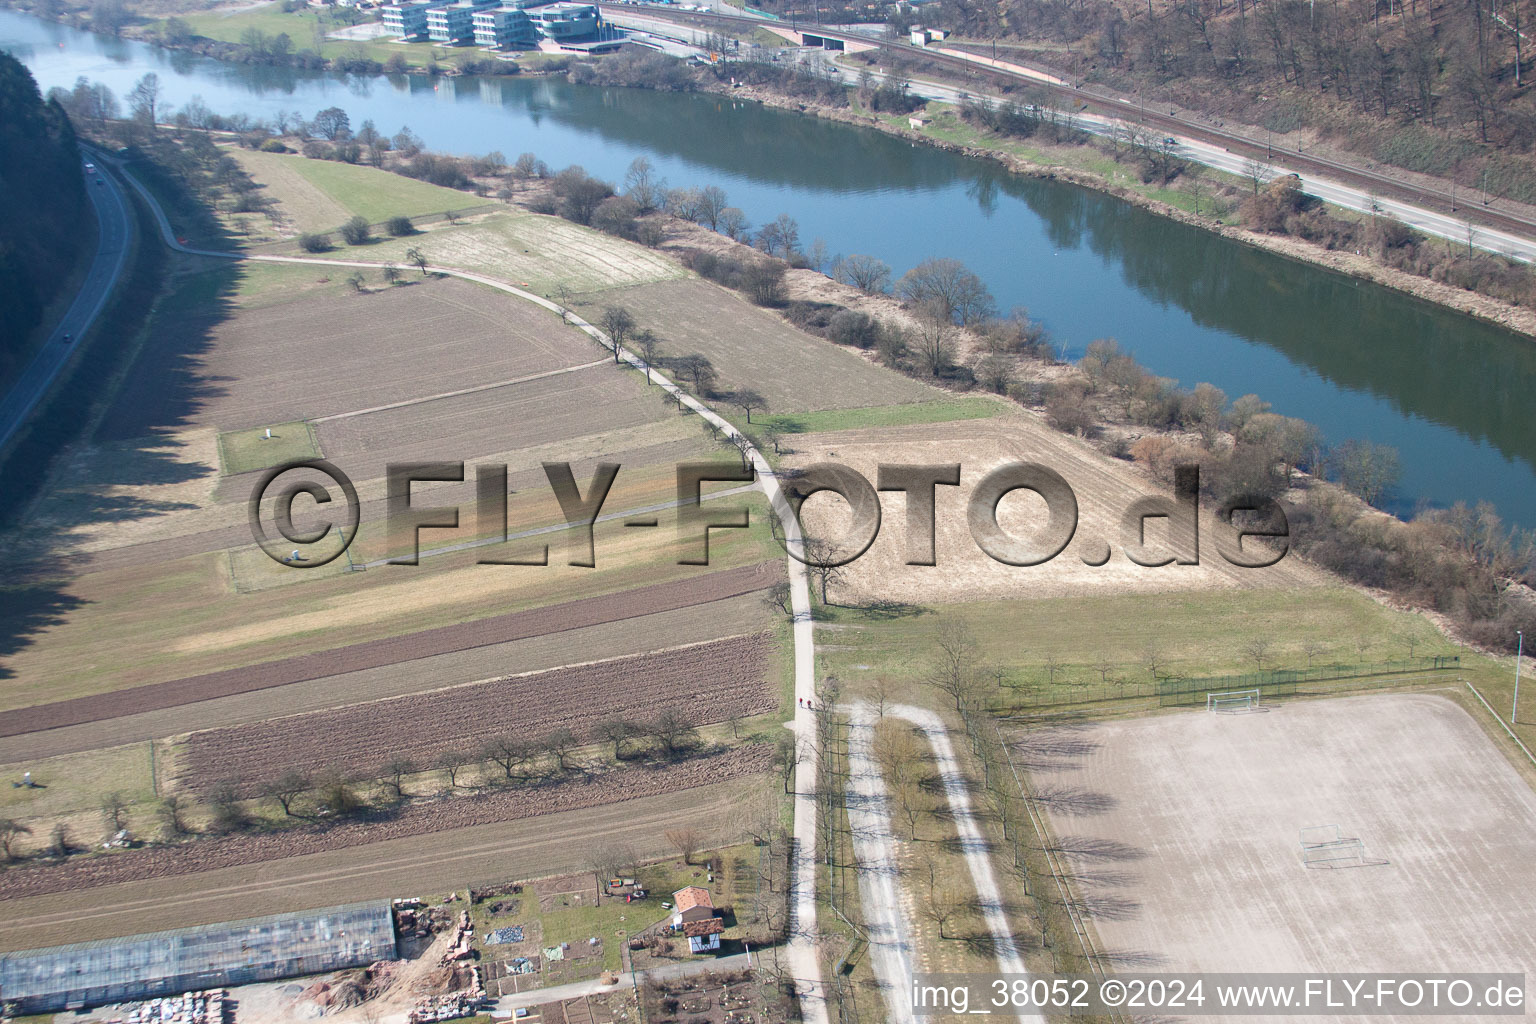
(1059,646)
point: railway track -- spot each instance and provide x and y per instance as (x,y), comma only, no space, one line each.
(1375,182)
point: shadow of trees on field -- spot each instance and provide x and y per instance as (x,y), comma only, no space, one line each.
(137,381)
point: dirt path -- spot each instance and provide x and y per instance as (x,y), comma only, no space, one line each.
(877,840)
(869,821)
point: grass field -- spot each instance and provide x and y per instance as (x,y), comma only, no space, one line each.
(244,451)
(321,195)
(1065,644)
(307,28)
(1198,861)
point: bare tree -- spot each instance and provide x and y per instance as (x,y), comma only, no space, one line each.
(685,841)
(1256,172)
(786,758)
(674,732)
(172,813)
(396,771)
(115,810)
(453,762)
(699,372)
(955,291)
(1103,666)
(60,842)
(1257,650)
(778,596)
(647,342)
(561,743)
(509,752)
(711,205)
(1152,658)
(287,788)
(1311,648)
(865,273)
(416,256)
(955,661)
(746,400)
(616,730)
(617,323)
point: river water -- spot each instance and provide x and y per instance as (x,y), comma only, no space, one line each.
(1356,359)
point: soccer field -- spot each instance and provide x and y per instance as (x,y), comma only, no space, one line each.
(1182,837)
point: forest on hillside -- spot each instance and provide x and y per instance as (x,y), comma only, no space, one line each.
(44,212)
(1437,86)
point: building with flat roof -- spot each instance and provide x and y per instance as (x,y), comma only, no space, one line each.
(504,28)
(408,20)
(455,22)
(215,956)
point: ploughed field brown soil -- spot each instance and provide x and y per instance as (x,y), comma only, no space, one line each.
(705,683)
(537,412)
(393,650)
(679,626)
(325,355)
(413,818)
(1183,833)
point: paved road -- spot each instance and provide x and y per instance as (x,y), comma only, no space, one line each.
(869,820)
(115,227)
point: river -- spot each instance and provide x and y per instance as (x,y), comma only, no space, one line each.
(1358,360)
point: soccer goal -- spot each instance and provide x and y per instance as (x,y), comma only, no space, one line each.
(1232,700)
(1326,846)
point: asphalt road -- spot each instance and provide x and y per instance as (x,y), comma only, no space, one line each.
(107,265)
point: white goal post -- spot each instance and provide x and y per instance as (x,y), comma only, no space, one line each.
(1232,700)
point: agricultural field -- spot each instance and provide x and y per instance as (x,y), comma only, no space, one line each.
(147,510)
(410,646)
(322,195)
(687,625)
(1104,490)
(534,251)
(420,864)
(705,683)
(1194,862)
(808,373)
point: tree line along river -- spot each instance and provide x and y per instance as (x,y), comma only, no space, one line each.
(1360,361)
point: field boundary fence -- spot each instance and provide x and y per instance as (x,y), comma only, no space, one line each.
(1177,691)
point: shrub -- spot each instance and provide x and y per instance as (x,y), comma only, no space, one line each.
(314,242)
(850,327)
(273,146)
(355,231)
(399,226)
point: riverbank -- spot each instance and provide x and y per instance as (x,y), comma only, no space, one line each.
(1520,319)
